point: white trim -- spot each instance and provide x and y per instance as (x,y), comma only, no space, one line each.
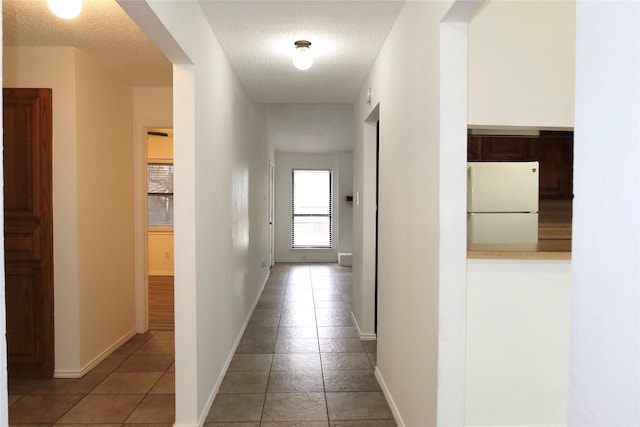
(75,373)
(363,336)
(520,425)
(387,395)
(452,247)
(271,213)
(216,387)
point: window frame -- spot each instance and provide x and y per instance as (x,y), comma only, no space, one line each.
(329,215)
(154,227)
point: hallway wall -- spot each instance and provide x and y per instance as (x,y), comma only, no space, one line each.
(105,210)
(221,180)
(604,389)
(92,200)
(405,85)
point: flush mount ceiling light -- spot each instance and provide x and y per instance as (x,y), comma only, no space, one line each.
(67,9)
(302,58)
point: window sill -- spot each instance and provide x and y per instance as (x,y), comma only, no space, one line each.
(160,229)
(310,249)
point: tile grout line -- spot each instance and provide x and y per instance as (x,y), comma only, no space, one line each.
(264,401)
(88,393)
(324,386)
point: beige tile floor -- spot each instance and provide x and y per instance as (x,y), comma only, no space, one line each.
(134,385)
(299,363)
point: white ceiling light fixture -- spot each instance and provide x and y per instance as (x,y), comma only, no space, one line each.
(302,57)
(67,9)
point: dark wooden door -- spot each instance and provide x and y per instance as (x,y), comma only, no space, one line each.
(28,232)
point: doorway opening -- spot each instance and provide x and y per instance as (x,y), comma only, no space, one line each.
(370,248)
(159,228)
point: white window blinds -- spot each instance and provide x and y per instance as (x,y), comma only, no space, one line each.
(311,208)
(160,194)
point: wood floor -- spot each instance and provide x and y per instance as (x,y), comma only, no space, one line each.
(161,303)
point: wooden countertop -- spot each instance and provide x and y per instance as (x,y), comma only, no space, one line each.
(544,249)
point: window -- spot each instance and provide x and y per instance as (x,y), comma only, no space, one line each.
(311,221)
(160,194)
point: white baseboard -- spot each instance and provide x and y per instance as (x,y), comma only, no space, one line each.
(390,401)
(363,336)
(79,373)
(521,425)
(227,363)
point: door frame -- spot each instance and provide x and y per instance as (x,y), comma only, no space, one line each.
(272,249)
(140,219)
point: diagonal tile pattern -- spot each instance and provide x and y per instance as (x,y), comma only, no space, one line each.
(134,386)
(299,363)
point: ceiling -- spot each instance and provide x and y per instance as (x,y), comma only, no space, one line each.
(103,31)
(256,36)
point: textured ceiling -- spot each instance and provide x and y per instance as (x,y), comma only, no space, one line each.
(311,128)
(103,31)
(257,37)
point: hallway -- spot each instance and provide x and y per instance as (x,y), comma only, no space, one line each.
(300,360)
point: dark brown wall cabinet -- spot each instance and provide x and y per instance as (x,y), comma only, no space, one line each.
(554,151)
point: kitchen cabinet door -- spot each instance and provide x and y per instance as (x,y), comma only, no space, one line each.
(554,151)
(505,148)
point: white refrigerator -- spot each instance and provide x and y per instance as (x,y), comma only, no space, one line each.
(502,202)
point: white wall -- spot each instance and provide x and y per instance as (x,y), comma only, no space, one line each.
(405,83)
(92,200)
(221,182)
(517,342)
(160,252)
(105,209)
(605,331)
(452,292)
(342,166)
(522,64)
(345,208)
